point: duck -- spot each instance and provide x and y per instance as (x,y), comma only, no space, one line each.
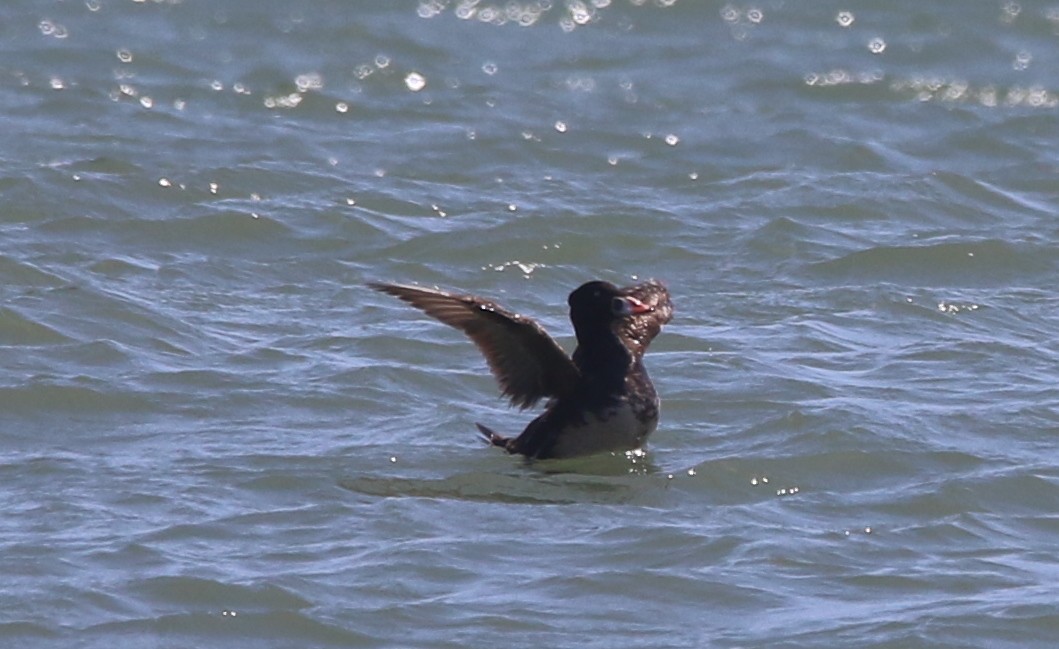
(600,399)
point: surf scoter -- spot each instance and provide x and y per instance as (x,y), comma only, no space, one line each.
(601,399)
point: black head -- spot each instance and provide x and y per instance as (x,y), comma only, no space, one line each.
(635,313)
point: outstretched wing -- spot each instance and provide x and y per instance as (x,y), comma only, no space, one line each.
(527,363)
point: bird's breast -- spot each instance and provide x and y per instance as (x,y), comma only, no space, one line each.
(621,426)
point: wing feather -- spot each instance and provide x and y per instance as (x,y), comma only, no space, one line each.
(526,361)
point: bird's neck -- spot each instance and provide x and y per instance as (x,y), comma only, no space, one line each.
(601,353)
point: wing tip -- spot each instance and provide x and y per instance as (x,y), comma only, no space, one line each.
(387,287)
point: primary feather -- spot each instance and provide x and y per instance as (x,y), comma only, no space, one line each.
(527,363)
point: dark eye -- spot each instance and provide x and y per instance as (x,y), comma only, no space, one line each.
(619,306)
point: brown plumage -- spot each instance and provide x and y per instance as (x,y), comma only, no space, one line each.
(527,363)
(600,399)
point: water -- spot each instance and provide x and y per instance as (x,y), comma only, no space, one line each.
(211,434)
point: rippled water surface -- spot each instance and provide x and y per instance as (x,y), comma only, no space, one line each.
(211,434)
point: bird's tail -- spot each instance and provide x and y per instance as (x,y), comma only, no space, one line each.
(491,436)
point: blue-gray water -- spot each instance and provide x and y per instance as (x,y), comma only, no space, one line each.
(212,435)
